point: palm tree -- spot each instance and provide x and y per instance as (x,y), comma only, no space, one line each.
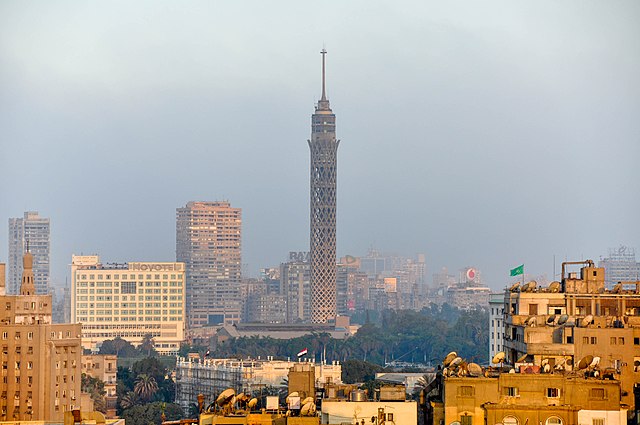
(128,400)
(145,387)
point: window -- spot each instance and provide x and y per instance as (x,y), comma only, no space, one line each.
(510,420)
(554,420)
(612,340)
(511,391)
(597,393)
(553,392)
(585,339)
(597,421)
(466,391)
(594,340)
(636,341)
(466,420)
(621,340)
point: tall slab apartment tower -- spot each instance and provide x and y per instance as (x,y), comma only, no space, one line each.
(34,230)
(208,241)
(324,172)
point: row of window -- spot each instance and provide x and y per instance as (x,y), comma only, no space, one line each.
(551,392)
(129,276)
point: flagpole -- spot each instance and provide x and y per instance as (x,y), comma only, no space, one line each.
(523,275)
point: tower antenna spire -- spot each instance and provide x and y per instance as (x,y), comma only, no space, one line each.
(324,95)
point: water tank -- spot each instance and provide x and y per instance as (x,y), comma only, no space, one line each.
(358,395)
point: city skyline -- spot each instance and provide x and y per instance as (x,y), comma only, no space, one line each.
(491,136)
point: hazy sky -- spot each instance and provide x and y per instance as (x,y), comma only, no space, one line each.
(480,133)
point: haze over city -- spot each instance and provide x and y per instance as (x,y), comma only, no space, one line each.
(488,135)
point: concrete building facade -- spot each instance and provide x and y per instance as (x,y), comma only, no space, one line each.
(577,319)
(208,242)
(40,360)
(34,230)
(128,300)
(519,399)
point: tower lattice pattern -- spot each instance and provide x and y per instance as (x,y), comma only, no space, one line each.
(324,154)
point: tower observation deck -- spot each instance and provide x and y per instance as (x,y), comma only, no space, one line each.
(324,169)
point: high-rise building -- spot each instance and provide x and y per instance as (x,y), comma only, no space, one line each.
(40,360)
(296,287)
(208,241)
(34,231)
(620,266)
(128,300)
(324,172)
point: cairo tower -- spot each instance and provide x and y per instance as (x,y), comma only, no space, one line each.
(324,171)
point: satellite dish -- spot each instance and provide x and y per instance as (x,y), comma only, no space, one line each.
(587,320)
(225,396)
(512,370)
(474,369)
(569,361)
(252,403)
(546,368)
(293,394)
(445,371)
(499,357)
(514,287)
(585,362)
(544,362)
(563,319)
(595,362)
(449,358)
(456,361)
(308,409)
(533,322)
(555,286)
(522,358)
(617,288)
(307,400)
(551,319)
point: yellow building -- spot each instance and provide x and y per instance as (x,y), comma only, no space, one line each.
(40,360)
(575,319)
(104,367)
(522,398)
(128,300)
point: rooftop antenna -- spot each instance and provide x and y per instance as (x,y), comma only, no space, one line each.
(323,53)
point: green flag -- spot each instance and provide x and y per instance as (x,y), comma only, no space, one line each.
(518,270)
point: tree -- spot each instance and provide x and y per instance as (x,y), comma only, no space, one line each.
(358,371)
(151,414)
(129,400)
(147,346)
(145,387)
(95,388)
(119,347)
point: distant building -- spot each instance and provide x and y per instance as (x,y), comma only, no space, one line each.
(40,360)
(295,278)
(496,324)
(128,300)
(620,266)
(104,368)
(208,242)
(34,230)
(212,376)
